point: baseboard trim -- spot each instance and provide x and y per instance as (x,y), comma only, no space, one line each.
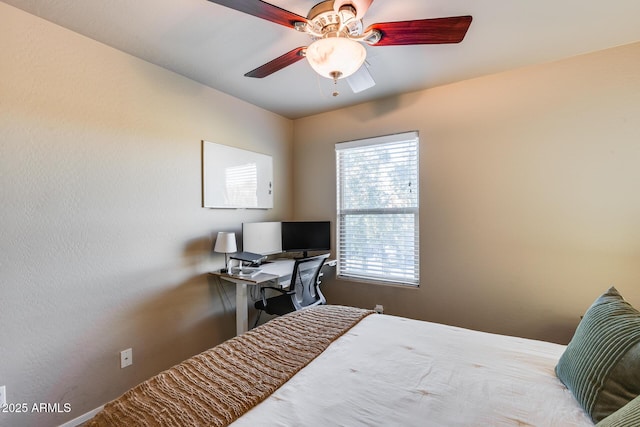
(82,418)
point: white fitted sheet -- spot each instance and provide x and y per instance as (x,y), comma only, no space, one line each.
(392,371)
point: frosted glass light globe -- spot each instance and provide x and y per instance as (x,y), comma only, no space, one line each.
(336,57)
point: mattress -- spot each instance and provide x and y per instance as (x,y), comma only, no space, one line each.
(343,366)
(392,371)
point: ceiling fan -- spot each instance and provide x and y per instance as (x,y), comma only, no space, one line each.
(338,34)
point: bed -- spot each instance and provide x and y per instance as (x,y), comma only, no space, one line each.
(335,365)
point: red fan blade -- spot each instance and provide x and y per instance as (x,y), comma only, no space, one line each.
(361,6)
(423,31)
(278,64)
(263,10)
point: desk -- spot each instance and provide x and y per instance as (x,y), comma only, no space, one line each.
(272,271)
(276,271)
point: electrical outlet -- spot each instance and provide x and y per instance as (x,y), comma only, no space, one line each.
(126,358)
(379,309)
(3,396)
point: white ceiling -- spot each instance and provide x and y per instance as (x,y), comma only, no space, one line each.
(216,46)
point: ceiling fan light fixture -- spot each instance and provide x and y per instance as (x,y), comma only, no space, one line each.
(336,57)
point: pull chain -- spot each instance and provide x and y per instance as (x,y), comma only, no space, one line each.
(336,75)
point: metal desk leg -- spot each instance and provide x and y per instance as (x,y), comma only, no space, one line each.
(242,312)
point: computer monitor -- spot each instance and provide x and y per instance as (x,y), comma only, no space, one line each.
(264,238)
(304,236)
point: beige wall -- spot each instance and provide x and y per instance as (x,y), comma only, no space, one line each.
(103,243)
(529,193)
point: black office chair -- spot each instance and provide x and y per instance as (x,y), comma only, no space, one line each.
(303,292)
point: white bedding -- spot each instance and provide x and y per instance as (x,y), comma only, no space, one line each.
(392,371)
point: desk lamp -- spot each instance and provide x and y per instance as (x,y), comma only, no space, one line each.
(226,244)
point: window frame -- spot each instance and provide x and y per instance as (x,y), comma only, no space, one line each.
(382,275)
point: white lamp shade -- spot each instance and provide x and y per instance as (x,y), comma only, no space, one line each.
(225,242)
(336,57)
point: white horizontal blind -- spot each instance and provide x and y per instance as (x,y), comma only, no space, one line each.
(377,205)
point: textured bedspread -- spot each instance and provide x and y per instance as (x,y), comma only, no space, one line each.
(217,386)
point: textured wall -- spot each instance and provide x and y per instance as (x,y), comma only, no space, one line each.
(103,243)
(529,199)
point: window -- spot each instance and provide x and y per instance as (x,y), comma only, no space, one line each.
(377,209)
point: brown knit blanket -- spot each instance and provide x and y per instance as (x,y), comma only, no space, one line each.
(217,386)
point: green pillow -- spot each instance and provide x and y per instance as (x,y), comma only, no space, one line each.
(627,416)
(601,364)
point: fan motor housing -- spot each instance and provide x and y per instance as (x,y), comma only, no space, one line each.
(325,21)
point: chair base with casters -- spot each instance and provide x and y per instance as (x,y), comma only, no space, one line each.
(303,292)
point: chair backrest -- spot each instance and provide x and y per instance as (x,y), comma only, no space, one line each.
(305,282)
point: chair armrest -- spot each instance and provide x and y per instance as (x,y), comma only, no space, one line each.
(282,291)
